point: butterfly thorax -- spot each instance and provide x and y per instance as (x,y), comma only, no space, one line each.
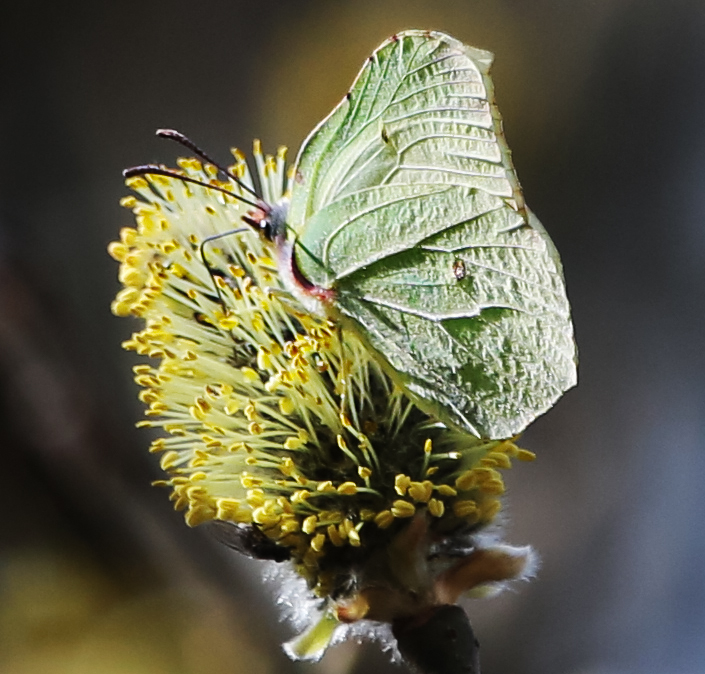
(270,220)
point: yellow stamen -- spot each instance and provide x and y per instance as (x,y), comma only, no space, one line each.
(403,509)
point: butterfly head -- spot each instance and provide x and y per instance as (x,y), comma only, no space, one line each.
(269,220)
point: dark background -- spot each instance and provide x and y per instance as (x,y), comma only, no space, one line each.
(604,108)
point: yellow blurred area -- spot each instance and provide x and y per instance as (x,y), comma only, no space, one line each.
(59,614)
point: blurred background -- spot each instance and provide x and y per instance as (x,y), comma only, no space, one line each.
(604,108)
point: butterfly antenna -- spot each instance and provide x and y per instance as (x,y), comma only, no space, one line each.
(211,269)
(152,169)
(171,134)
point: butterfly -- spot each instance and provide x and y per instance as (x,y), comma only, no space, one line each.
(407,224)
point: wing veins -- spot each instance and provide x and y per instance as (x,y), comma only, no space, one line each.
(359,169)
(386,254)
(448,153)
(432,62)
(390,101)
(380,80)
(516,277)
(525,295)
(517,225)
(350,177)
(471,97)
(473,246)
(350,118)
(428,111)
(412,167)
(363,212)
(458,70)
(474,218)
(370,120)
(438,318)
(420,90)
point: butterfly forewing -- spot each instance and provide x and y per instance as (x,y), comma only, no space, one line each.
(407,204)
(420,111)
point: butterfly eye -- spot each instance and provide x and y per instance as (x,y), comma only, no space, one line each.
(268,230)
(259,219)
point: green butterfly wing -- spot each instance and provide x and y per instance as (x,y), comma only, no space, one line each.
(406,203)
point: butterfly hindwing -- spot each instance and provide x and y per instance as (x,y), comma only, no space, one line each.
(407,205)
